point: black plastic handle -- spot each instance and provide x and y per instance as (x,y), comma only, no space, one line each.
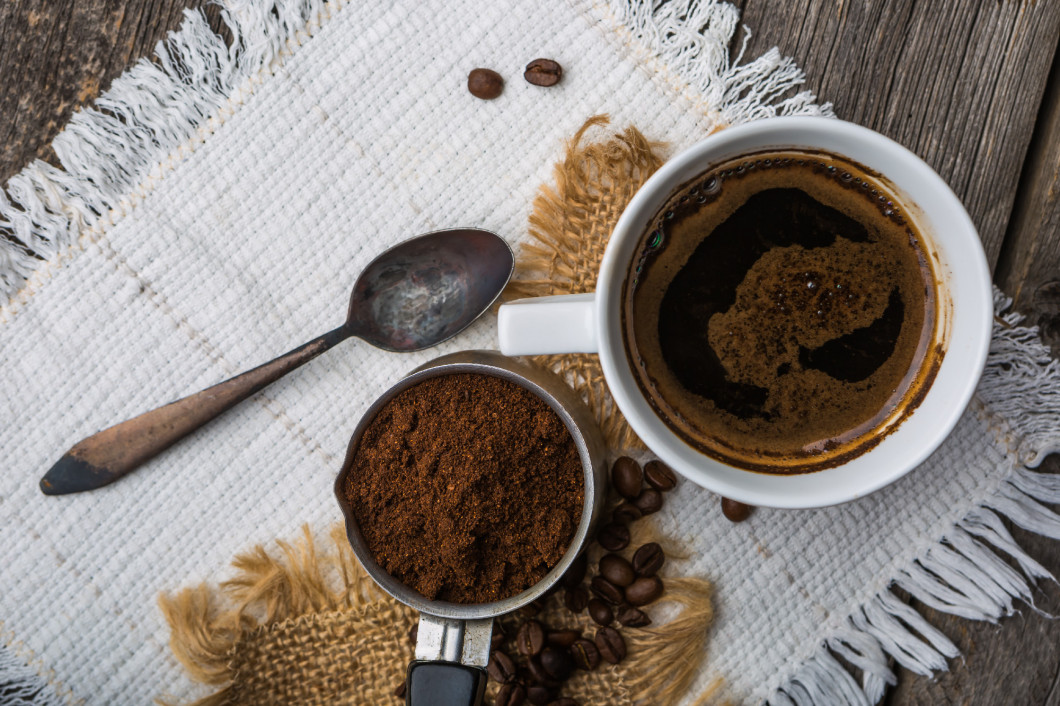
(444,684)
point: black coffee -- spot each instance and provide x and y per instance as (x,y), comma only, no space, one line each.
(780,312)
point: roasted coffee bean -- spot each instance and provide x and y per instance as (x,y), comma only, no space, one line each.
(539,675)
(613,537)
(414,632)
(400,690)
(633,617)
(659,476)
(576,572)
(543,72)
(626,513)
(600,612)
(611,645)
(627,477)
(497,641)
(539,695)
(557,662)
(648,559)
(585,655)
(616,569)
(735,511)
(501,668)
(485,83)
(575,599)
(511,694)
(644,590)
(530,638)
(606,590)
(532,608)
(562,638)
(649,501)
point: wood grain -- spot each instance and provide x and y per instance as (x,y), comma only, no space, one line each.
(957,82)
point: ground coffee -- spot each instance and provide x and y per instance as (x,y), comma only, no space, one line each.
(467,488)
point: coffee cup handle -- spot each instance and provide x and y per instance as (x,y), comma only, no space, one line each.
(564,323)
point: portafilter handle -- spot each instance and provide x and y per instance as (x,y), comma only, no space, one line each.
(450,664)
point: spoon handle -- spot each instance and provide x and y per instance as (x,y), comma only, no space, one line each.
(108,455)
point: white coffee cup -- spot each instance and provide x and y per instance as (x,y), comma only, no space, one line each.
(591,323)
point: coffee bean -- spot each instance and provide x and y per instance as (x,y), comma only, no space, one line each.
(613,537)
(414,632)
(644,590)
(532,608)
(557,662)
(562,638)
(649,501)
(735,511)
(600,612)
(611,645)
(575,599)
(659,476)
(627,477)
(648,559)
(485,83)
(576,572)
(626,513)
(400,690)
(501,668)
(543,72)
(585,655)
(539,675)
(511,694)
(539,695)
(530,638)
(633,617)
(606,590)
(616,570)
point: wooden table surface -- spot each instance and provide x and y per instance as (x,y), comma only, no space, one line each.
(972,86)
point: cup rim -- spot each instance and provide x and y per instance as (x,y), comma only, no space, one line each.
(966,348)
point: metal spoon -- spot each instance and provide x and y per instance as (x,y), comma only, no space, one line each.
(413,296)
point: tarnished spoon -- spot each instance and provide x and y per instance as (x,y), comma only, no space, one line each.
(413,296)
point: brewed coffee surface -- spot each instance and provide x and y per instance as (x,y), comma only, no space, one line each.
(780,311)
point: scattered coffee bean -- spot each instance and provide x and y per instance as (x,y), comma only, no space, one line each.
(626,513)
(627,477)
(576,599)
(511,694)
(539,695)
(585,655)
(500,668)
(557,662)
(539,675)
(562,638)
(532,608)
(606,590)
(400,690)
(543,72)
(530,638)
(613,537)
(414,632)
(649,501)
(576,572)
(485,83)
(644,590)
(648,559)
(633,617)
(616,569)
(611,645)
(600,612)
(735,511)
(659,476)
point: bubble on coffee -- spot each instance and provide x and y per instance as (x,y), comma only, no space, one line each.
(780,312)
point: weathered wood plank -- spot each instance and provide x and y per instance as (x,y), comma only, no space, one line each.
(57,55)
(957,82)
(1029,268)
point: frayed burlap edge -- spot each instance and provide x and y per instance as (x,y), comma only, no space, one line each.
(570,225)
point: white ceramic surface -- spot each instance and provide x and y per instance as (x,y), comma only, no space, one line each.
(586,323)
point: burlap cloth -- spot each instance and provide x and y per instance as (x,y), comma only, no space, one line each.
(301,625)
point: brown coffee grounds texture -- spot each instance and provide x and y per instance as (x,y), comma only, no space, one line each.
(467,488)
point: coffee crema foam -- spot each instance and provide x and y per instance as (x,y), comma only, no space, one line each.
(780,312)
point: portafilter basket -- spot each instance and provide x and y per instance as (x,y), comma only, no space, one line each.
(453,640)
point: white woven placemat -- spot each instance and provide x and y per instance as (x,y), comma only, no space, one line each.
(217,214)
